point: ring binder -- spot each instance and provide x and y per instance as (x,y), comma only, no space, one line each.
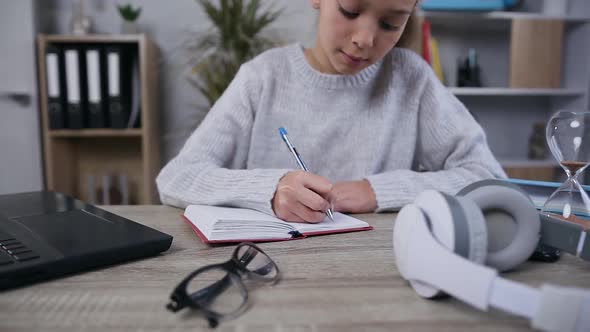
(96,87)
(76,91)
(55,72)
(119,63)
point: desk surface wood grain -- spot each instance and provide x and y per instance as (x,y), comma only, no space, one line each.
(341,282)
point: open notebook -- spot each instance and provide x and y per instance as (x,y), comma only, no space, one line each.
(215,224)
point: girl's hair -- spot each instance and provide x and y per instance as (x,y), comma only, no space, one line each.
(411,36)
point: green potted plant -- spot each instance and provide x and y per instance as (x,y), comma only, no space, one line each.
(234,38)
(129,15)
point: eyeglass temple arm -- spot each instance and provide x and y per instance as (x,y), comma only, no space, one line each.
(213,322)
(175,303)
(202,296)
(210,292)
(174,306)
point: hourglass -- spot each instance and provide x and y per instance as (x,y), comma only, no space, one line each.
(568,137)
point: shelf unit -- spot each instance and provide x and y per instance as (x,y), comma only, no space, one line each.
(72,155)
(508,114)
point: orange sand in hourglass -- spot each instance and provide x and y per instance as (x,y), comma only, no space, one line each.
(574,166)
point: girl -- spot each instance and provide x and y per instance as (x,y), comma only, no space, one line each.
(372,121)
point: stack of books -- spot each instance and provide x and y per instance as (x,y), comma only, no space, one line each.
(430,51)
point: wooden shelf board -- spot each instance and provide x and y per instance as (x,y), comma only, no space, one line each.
(527,163)
(456,17)
(64,133)
(93,38)
(516,92)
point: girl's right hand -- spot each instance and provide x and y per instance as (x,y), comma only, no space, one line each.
(302,197)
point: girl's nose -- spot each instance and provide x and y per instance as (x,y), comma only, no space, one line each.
(364,36)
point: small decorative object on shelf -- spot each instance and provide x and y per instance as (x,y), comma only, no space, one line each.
(129,15)
(537,146)
(113,189)
(468,70)
(79,23)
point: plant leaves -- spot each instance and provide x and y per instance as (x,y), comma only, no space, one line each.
(234,39)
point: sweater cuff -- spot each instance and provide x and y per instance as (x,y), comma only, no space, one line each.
(392,190)
(258,193)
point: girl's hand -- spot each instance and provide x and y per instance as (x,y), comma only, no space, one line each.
(353,197)
(301,196)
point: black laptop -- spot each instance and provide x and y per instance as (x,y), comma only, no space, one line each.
(46,234)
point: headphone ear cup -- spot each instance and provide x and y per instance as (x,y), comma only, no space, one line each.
(477,231)
(456,224)
(511,219)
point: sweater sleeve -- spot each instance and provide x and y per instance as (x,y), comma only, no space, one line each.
(451,146)
(211,167)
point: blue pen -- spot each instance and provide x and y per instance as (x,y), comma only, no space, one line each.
(300,162)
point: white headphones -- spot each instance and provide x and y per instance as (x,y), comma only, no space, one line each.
(440,239)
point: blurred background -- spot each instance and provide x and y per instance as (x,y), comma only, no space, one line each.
(96,96)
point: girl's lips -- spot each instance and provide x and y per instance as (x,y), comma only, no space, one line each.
(353,58)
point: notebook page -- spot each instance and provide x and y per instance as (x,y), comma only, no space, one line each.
(341,222)
(226,223)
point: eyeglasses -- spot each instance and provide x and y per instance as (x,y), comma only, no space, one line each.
(218,290)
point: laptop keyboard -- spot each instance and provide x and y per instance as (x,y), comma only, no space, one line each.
(14,251)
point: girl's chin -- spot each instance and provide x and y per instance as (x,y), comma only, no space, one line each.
(346,66)
(345,70)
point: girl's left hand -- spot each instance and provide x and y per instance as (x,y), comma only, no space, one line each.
(353,197)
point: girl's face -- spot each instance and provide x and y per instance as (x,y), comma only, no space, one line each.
(354,34)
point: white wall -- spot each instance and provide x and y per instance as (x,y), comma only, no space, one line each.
(20,148)
(169,23)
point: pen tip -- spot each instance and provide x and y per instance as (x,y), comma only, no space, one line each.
(282,131)
(330,214)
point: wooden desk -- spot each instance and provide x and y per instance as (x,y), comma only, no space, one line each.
(345,282)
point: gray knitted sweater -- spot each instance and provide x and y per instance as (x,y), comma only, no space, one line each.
(393,124)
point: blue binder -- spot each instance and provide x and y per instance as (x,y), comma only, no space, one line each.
(467,5)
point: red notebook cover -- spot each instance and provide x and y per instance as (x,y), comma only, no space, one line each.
(303,235)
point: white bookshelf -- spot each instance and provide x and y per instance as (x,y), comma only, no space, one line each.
(508,114)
